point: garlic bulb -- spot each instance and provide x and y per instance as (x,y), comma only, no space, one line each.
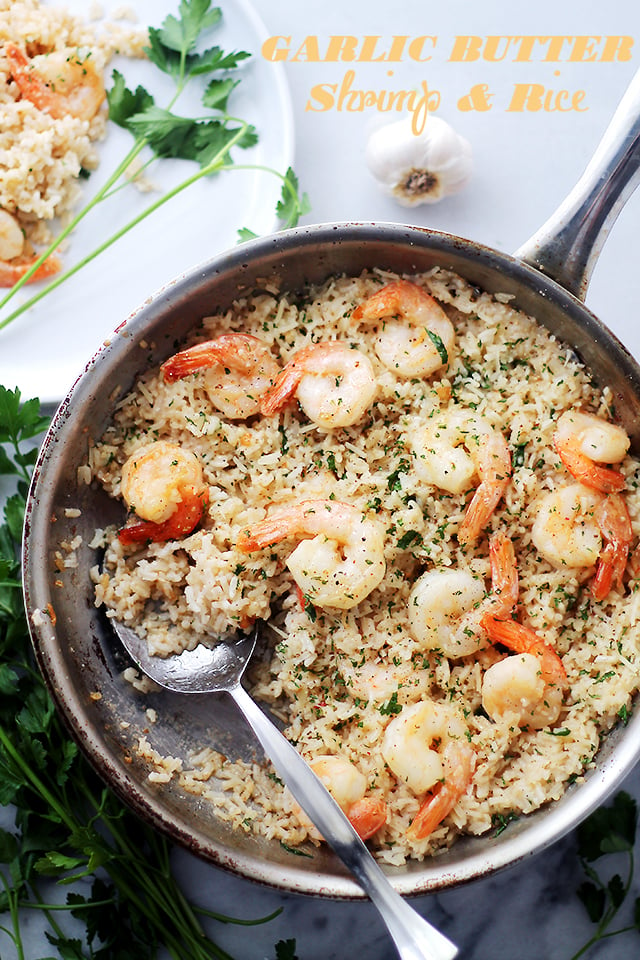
(420,168)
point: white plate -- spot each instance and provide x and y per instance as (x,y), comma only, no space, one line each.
(44,350)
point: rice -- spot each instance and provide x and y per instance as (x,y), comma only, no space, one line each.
(43,158)
(515,377)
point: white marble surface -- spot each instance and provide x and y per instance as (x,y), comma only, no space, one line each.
(525,164)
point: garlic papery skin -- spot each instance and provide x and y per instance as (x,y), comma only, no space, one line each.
(419,168)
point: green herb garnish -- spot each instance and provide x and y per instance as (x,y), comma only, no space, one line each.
(609,830)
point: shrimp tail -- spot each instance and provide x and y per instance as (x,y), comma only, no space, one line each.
(460,765)
(591,474)
(395,299)
(288,380)
(495,472)
(31,86)
(181,523)
(236,350)
(614,522)
(11,273)
(522,639)
(282,390)
(367,816)
(504,576)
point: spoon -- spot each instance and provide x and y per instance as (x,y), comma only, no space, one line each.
(219,669)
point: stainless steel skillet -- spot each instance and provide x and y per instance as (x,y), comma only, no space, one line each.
(548,278)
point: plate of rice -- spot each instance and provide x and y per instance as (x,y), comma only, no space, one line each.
(443,556)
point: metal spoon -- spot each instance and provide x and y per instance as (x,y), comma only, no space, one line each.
(219,669)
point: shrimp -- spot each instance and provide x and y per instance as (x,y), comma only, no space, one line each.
(539,704)
(584,442)
(494,471)
(514,686)
(426,746)
(12,271)
(571,526)
(416,337)
(334,384)
(342,562)
(163,485)
(60,83)
(443,451)
(238,371)
(446,606)
(378,682)
(348,787)
(612,517)
(14,263)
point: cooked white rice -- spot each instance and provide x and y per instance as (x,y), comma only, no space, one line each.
(514,375)
(43,158)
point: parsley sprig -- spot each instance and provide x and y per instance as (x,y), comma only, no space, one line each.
(609,830)
(160,132)
(67,824)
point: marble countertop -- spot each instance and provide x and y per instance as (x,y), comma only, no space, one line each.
(525,163)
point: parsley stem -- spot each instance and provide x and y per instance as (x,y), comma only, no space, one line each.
(162,897)
(12,899)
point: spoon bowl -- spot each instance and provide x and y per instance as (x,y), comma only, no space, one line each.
(219,669)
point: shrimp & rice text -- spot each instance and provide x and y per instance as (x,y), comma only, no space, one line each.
(428,499)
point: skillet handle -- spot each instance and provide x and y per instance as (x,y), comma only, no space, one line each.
(567,246)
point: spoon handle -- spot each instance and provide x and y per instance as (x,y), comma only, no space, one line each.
(414,938)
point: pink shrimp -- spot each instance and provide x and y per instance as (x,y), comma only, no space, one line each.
(334,384)
(445,606)
(59,83)
(238,370)
(612,517)
(341,563)
(458,761)
(347,785)
(163,485)
(416,337)
(427,748)
(494,471)
(584,443)
(523,639)
(11,271)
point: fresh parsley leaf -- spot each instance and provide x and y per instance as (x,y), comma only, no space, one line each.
(173,49)
(19,421)
(409,537)
(215,59)
(286,950)
(217,93)
(391,707)
(291,205)
(123,103)
(439,345)
(593,899)
(182,33)
(610,829)
(245,234)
